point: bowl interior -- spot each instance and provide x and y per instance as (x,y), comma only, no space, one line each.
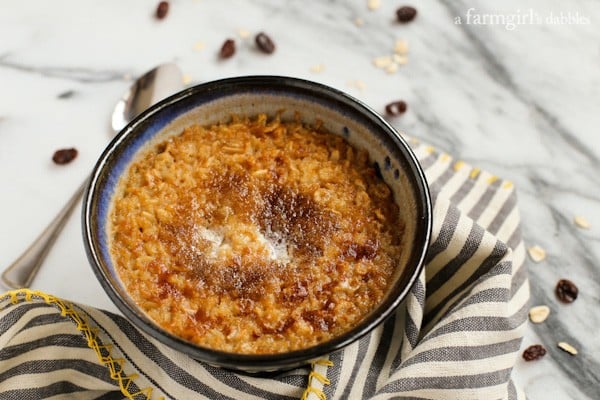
(248,96)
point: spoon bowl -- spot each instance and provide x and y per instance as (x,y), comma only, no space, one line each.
(150,88)
(146,91)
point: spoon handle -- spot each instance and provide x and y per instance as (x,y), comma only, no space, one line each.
(22,271)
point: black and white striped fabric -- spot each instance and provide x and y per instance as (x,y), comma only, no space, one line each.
(456,337)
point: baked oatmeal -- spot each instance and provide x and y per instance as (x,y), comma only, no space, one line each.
(255,236)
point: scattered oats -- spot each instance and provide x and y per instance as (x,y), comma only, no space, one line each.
(186,79)
(392,68)
(382,62)
(318,68)
(538,314)
(400,60)
(568,348)
(536,253)
(401,47)
(391,62)
(360,85)
(243,33)
(582,222)
(373,4)
(358,21)
(199,46)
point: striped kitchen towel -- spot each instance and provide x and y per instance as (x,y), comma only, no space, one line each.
(456,336)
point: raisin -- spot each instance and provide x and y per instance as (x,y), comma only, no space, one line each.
(162,9)
(64,156)
(406,14)
(264,43)
(396,107)
(534,352)
(566,291)
(228,49)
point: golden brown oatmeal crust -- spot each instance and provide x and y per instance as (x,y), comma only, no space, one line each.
(255,236)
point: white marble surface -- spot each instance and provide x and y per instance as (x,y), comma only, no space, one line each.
(523,103)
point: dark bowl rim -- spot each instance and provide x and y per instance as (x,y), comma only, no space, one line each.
(277,360)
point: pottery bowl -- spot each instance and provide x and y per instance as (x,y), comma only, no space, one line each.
(217,101)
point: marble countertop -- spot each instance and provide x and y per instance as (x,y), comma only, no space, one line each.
(511,87)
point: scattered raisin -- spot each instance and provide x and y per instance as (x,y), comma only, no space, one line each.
(64,156)
(534,352)
(566,291)
(396,107)
(162,9)
(406,14)
(228,49)
(264,43)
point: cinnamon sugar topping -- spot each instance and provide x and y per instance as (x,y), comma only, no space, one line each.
(255,236)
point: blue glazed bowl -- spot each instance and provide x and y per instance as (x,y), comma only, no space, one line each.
(215,102)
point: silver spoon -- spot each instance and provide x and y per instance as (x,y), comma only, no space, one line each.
(147,90)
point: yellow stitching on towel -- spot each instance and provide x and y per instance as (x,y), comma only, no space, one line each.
(474,173)
(317,392)
(323,379)
(146,392)
(318,376)
(325,362)
(444,157)
(458,165)
(429,149)
(507,185)
(103,351)
(492,179)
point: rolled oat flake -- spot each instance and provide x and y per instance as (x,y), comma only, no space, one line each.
(538,314)
(536,253)
(568,348)
(581,222)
